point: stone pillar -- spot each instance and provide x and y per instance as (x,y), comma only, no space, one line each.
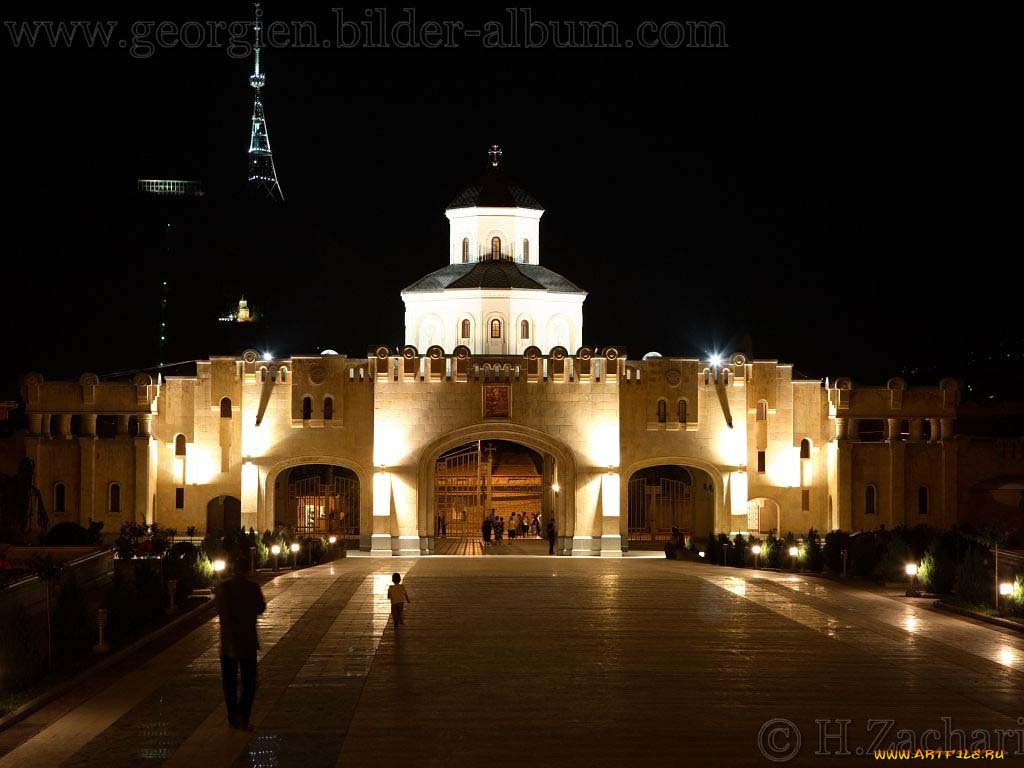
(88,425)
(145,424)
(35,423)
(87,489)
(948,428)
(935,430)
(143,509)
(44,425)
(844,486)
(64,426)
(892,429)
(122,424)
(380,542)
(916,430)
(611,532)
(852,429)
(841,424)
(897,484)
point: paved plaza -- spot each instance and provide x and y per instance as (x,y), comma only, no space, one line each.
(547,661)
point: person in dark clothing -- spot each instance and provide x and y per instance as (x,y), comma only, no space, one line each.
(239,601)
(551,537)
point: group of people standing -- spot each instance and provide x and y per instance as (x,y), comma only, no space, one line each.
(516,526)
(494,528)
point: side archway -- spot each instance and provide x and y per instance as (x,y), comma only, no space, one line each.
(720,517)
(267,511)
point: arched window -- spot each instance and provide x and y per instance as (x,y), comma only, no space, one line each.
(114,498)
(284,373)
(495,247)
(524,329)
(307,408)
(762,410)
(58,497)
(870,500)
(225,408)
(179,445)
(681,411)
(328,408)
(805,449)
(662,411)
(465,250)
(922,500)
(526,251)
(495,328)
(465,329)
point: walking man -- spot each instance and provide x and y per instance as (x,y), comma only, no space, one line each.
(239,601)
(551,537)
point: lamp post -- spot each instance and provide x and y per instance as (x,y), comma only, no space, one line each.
(295,554)
(275,550)
(793,552)
(911,570)
(845,554)
(756,549)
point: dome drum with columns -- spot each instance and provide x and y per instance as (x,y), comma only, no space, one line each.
(494,297)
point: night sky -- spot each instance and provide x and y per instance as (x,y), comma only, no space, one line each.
(826,190)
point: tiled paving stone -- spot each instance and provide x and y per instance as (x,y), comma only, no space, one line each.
(555,661)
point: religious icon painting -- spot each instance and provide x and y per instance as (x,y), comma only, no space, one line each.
(497,401)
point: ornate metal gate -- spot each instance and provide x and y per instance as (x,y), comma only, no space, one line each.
(472,481)
(656,505)
(460,492)
(324,505)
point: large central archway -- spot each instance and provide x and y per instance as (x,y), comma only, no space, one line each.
(556,465)
(492,491)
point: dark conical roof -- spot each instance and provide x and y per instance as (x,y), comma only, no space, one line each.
(495,190)
(500,274)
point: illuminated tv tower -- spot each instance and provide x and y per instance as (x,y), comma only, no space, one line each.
(262,175)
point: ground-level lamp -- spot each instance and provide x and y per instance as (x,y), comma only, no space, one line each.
(275,550)
(1005,589)
(911,571)
(295,554)
(793,552)
(219,566)
(756,549)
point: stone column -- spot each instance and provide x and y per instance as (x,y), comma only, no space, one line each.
(611,523)
(935,430)
(145,424)
(64,426)
(841,424)
(852,429)
(88,492)
(35,423)
(916,430)
(892,429)
(44,425)
(948,427)
(122,424)
(88,425)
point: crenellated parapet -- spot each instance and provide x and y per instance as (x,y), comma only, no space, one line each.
(407,365)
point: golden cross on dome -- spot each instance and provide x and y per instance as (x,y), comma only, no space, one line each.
(495,153)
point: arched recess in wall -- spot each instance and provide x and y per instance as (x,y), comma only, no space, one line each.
(712,470)
(266,511)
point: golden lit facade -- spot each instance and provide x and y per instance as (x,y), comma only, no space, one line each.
(626,448)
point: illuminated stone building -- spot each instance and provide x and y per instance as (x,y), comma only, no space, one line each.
(390,448)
